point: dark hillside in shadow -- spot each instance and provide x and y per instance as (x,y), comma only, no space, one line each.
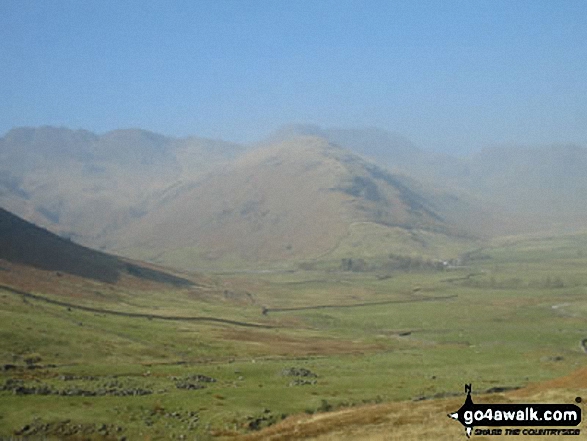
(24,243)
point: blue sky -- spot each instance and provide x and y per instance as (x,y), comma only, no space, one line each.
(450,75)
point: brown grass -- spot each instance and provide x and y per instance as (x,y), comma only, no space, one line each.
(30,279)
(278,343)
(411,421)
(575,380)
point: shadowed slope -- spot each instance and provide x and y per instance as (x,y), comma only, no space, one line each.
(24,243)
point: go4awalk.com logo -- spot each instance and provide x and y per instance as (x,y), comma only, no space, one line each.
(532,416)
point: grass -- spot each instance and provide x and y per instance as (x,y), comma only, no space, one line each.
(507,324)
(370,241)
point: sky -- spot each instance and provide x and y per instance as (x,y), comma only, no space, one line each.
(453,76)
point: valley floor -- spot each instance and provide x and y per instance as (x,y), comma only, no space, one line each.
(301,355)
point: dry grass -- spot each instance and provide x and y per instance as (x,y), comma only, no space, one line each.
(27,278)
(411,421)
(278,343)
(401,421)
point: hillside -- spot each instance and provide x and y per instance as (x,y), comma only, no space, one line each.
(275,355)
(305,193)
(293,200)
(390,150)
(23,243)
(545,181)
(85,185)
(546,184)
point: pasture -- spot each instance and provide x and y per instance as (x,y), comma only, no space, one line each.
(240,352)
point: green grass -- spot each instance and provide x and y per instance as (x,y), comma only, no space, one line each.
(500,330)
(370,241)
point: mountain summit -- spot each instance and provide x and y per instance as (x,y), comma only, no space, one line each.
(293,200)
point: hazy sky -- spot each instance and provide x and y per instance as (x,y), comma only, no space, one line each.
(452,75)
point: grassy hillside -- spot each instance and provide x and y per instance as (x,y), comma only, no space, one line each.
(416,421)
(141,359)
(26,244)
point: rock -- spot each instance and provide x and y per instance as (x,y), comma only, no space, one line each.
(298,372)
(300,382)
(189,386)
(500,389)
(257,423)
(201,378)
(23,430)
(32,360)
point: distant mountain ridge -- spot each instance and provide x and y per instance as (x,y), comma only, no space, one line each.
(390,150)
(370,142)
(296,195)
(544,180)
(550,180)
(85,185)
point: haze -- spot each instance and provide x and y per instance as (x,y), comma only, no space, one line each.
(304,220)
(450,76)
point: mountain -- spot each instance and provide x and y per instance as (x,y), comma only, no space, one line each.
(539,186)
(373,143)
(23,243)
(548,182)
(297,199)
(85,186)
(306,192)
(391,150)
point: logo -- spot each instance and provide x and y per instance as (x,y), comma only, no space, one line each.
(472,415)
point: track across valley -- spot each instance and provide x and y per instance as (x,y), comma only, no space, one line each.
(28,295)
(356,305)
(266,311)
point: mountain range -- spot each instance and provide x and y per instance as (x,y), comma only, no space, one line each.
(304,193)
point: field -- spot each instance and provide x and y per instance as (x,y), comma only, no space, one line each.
(331,354)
